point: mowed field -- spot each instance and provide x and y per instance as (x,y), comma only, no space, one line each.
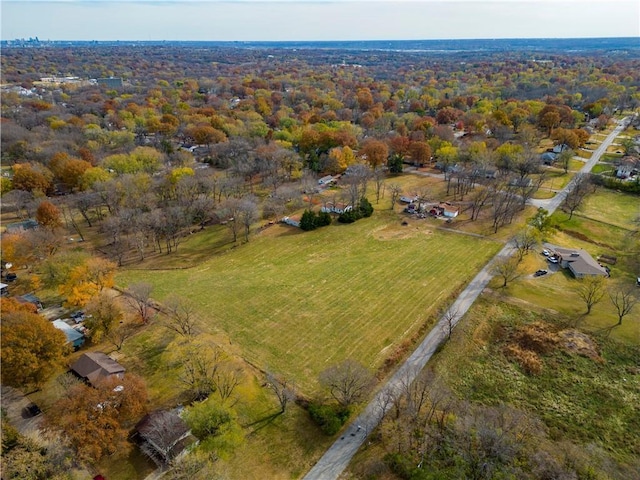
(297,302)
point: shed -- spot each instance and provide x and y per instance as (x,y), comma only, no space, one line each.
(96,366)
(4,289)
(74,337)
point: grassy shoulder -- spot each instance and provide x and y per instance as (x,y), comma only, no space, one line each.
(574,396)
(579,398)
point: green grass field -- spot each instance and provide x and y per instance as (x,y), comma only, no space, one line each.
(298,302)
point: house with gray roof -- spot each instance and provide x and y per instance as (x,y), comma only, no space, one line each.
(579,262)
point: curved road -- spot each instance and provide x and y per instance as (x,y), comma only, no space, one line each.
(338,456)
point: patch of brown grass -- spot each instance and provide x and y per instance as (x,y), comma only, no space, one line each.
(577,342)
(536,337)
(527,359)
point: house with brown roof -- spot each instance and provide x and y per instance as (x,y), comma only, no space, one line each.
(579,262)
(96,366)
(444,209)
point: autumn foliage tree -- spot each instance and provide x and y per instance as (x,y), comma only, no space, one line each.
(95,420)
(32,177)
(375,152)
(48,215)
(87,280)
(32,348)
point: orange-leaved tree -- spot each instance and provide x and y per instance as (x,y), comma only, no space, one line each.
(48,215)
(94,421)
(32,348)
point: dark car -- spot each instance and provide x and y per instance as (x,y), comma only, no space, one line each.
(11,277)
(539,273)
(31,410)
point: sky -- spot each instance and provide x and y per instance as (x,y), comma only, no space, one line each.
(266,20)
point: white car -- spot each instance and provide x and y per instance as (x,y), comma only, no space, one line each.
(546,252)
(553,259)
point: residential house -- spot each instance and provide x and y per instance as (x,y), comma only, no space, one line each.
(326,180)
(96,366)
(163,435)
(338,208)
(629,167)
(485,173)
(74,336)
(110,82)
(444,209)
(16,227)
(578,261)
(408,198)
(32,299)
(294,221)
(560,148)
(548,158)
(521,182)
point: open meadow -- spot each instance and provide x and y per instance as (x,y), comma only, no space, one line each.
(297,302)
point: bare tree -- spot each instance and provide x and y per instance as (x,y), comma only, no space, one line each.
(591,291)
(479,200)
(379,174)
(180,316)
(283,389)
(450,317)
(121,333)
(348,382)
(582,187)
(396,190)
(356,182)
(248,212)
(526,240)
(226,378)
(229,213)
(623,300)
(506,268)
(139,297)
(199,366)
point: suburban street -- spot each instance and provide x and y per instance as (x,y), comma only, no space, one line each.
(338,456)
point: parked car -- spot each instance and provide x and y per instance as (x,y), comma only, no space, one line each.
(31,410)
(546,252)
(11,277)
(78,316)
(552,259)
(539,273)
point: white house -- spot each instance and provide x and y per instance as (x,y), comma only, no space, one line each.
(293,221)
(326,180)
(338,208)
(408,198)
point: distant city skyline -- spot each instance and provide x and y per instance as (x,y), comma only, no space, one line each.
(290,20)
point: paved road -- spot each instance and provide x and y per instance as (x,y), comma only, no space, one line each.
(552,204)
(338,456)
